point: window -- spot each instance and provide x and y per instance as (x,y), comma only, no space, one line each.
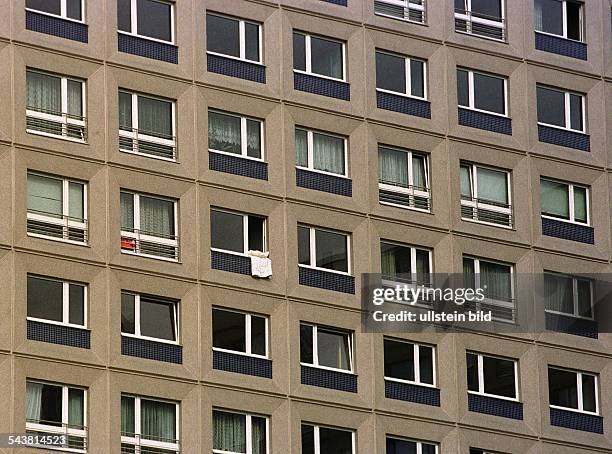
(497,283)
(55,301)
(66,9)
(149,425)
(151,19)
(573,390)
(318,56)
(238,433)
(55,105)
(236,135)
(569,295)
(492,376)
(57,208)
(407,10)
(237,233)
(55,409)
(400,75)
(324,249)
(404,264)
(485,194)
(147,125)
(399,446)
(561,109)
(233,38)
(325,440)
(408,362)
(149,317)
(238,332)
(326,347)
(148,226)
(403,178)
(482,92)
(564,201)
(559,17)
(485,18)
(320,152)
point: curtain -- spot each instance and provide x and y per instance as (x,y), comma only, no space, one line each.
(224,133)
(76,404)
(45,194)
(127,211)
(422,266)
(158,420)
(301,148)
(492,185)
(259,435)
(43,92)
(156,216)
(466,181)
(155,117)
(326,57)
(229,431)
(497,280)
(468,273)
(75,201)
(393,167)
(125,111)
(333,349)
(418,172)
(388,264)
(253,139)
(538,15)
(554,198)
(328,153)
(33,401)
(127,415)
(75,98)
(558,293)
(580,204)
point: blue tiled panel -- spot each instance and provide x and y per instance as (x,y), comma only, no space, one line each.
(482,120)
(327,280)
(571,325)
(576,421)
(136,45)
(322,86)
(564,138)
(238,165)
(495,407)
(230,262)
(337,2)
(236,68)
(242,364)
(58,334)
(560,46)
(412,393)
(56,26)
(147,349)
(403,104)
(568,231)
(323,182)
(330,379)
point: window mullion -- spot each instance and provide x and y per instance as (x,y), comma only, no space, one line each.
(65,405)
(247,333)
(135,112)
(136,199)
(249,434)
(579,389)
(575,295)
(241,39)
(64,95)
(413,270)
(310,149)
(243,136)
(65,302)
(564,13)
(471,89)
(65,201)
(408,80)
(308,54)
(568,113)
(245,234)
(63,10)
(481,383)
(137,428)
(134,19)
(417,364)
(410,171)
(571,203)
(137,315)
(313,247)
(474,181)
(315,346)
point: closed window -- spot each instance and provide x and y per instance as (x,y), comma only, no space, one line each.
(573,390)
(496,282)
(561,109)
(325,440)
(55,301)
(66,9)
(569,295)
(149,317)
(240,332)
(492,376)
(564,201)
(485,194)
(147,125)
(399,74)
(406,10)
(484,18)
(234,134)
(559,17)
(320,151)
(404,264)
(149,425)
(319,56)
(318,248)
(326,347)
(400,446)
(482,92)
(236,232)
(232,37)
(408,362)
(403,178)
(152,19)
(239,433)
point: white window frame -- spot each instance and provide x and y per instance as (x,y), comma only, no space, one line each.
(572,218)
(407,5)
(64,429)
(313,250)
(416,363)
(134,23)
(419,443)
(138,439)
(575,280)
(245,232)
(315,348)
(244,140)
(413,260)
(65,303)
(580,408)
(63,12)
(481,383)
(308,54)
(249,431)
(487,300)
(248,336)
(408,81)
(568,113)
(241,39)
(310,143)
(564,24)
(477,204)
(137,333)
(317,436)
(472,97)
(469,17)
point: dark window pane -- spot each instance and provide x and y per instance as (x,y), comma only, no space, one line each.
(588,392)
(303,245)
(499,377)
(331,250)
(584,298)
(554,199)
(253,138)
(488,8)
(460,5)
(125,111)
(124,15)
(73,9)
(306,344)
(497,280)
(154,19)
(157,319)
(333,349)
(326,57)
(76,404)
(51,405)
(222,35)
(489,93)
(127,211)
(251,46)
(562,388)
(558,293)
(47,6)
(417,78)
(426,367)
(548,16)
(128,317)
(335,441)
(227,231)
(308,446)
(299,52)
(428,449)
(229,330)
(395,446)
(256,233)
(258,435)
(573,21)
(580,204)
(45,299)
(463,93)
(229,431)
(551,107)
(76,307)
(576,112)
(390,72)
(128,417)
(395,262)
(399,360)
(472,371)
(258,335)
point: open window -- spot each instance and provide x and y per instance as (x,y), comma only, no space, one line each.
(321,152)
(400,75)
(149,425)
(496,280)
(403,178)
(483,18)
(66,9)
(485,195)
(319,56)
(239,332)
(327,348)
(573,390)
(236,135)
(237,233)
(559,18)
(323,249)
(401,264)
(564,201)
(327,440)
(407,362)
(58,302)
(233,37)
(150,19)
(149,317)
(561,109)
(492,376)
(239,433)
(568,295)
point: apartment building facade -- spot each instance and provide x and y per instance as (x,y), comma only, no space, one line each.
(192,191)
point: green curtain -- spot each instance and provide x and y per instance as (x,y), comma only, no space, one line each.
(158,420)
(128,416)
(45,194)
(76,407)
(558,293)
(393,167)
(466,181)
(301,148)
(75,98)
(258,434)
(156,216)
(492,185)
(229,431)
(75,201)
(253,138)
(125,111)
(43,92)
(33,401)
(554,198)
(328,153)
(155,117)
(497,279)
(127,211)
(418,172)
(580,204)
(224,133)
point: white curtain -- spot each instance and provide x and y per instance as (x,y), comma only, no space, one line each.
(253,138)
(229,432)
(158,420)
(125,111)
(393,167)
(418,172)
(75,98)
(328,153)
(33,401)
(492,185)
(155,117)
(43,92)
(466,181)
(76,403)
(156,216)
(224,133)
(333,349)
(127,211)
(301,148)
(45,195)
(75,201)
(538,15)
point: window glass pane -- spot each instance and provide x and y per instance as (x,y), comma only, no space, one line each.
(489,93)
(487,8)
(258,335)
(390,72)
(229,330)
(548,16)
(392,167)
(125,111)
(333,349)
(308,446)
(156,216)
(580,204)
(299,52)
(562,388)
(128,318)
(573,20)
(76,406)
(154,19)
(551,106)
(258,426)
(417,78)
(155,117)
(326,57)
(463,90)
(47,6)
(75,98)
(227,231)
(497,280)
(395,262)
(303,245)
(422,266)
(492,185)
(335,441)
(331,250)
(328,153)
(224,132)
(469,276)
(73,9)
(222,35)
(465,176)
(460,5)
(33,401)
(472,371)
(395,446)
(229,432)
(428,449)
(253,138)
(51,405)
(306,344)
(45,299)
(498,376)
(584,298)
(426,367)
(43,92)
(301,147)
(251,32)
(399,360)
(588,392)
(554,199)
(157,319)
(124,15)
(44,195)
(158,420)
(127,211)
(576,112)
(127,415)
(76,308)
(558,293)
(75,201)
(256,233)
(419,169)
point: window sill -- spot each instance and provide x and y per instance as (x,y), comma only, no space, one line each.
(561,46)
(236,67)
(495,406)
(62,27)
(324,182)
(242,364)
(412,392)
(147,47)
(568,230)
(237,165)
(58,240)
(486,121)
(157,350)
(575,420)
(52,333)
(563,137)
(56,136)
(321,85)
(401,103)
(568,324)
(328,378)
